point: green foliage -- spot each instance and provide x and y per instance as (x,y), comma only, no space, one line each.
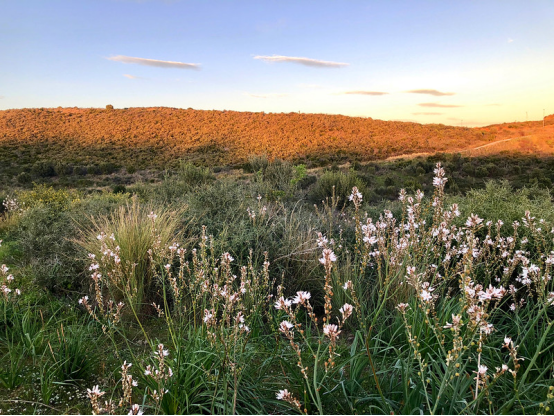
(194,175)
(385,360)
(257,163)
(130,232)
(336,183)
(499,201)
(72,356)
(42,195)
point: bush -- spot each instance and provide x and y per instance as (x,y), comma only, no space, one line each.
(257,163)
(119,189)
(24,178)
(43,169)
(194,175)
(134,231)
(339,183)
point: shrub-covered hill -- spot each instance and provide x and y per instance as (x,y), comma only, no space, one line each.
(154,137)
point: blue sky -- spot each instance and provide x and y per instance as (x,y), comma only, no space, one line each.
(466,62)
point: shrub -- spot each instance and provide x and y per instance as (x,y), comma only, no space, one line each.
(119,189)
(337,183)
(46,195)
(43,169)
(24,178)
(194,175)
(129,233)
(257,163)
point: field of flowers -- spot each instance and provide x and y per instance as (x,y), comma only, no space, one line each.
(230,297)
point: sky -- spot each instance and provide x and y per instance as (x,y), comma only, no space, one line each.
(469,63)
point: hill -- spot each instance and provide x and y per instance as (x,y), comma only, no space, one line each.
(153,137)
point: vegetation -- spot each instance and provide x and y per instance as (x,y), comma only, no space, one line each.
(205,293)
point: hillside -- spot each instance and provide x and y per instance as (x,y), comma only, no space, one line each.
(153,137)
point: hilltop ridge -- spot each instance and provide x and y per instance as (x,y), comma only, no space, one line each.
(220,137)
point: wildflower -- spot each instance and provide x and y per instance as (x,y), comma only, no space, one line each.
(402,195)
(227,258)
(356,196)
(301,297)
(346,311)
(328,257)
(486,328)
(456,321)
(17,292)
(513,307)
(347,285)
(167,267)
(426,295)
(135,410)
(550,300)
(285,327)
(507,342)
(402,307)
(370,240)
(482,370)
(148,371)
(282,394)
(152,216)
(283,303)
(4,269)
(473,221)
(321,240)
(161,350)
(331,330)
(9,278)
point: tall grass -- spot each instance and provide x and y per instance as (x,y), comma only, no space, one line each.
(123,240)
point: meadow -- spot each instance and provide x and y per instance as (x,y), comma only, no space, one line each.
(407,286)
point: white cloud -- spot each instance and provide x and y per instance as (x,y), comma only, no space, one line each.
(153,62)
(510,40)
(439,105)
(430,92)
(309,86)
(360,92)
(131,76)
(266,95)
(302,61)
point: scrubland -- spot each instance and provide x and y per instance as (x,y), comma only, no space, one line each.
(401,287)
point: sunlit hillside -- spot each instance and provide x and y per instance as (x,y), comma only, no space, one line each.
(152,137)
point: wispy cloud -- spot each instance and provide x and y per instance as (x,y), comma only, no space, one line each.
(153,62)
(493,105)
(309,86)
(439,105)
(131,76)
(266,95)
(1,97)
(361,92)
(427,114)
(510,40)
(430,92)
(302,61)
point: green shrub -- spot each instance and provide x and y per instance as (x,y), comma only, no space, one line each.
(257,163)
(338,182)
(194,175)
(24,178)
(43,169)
